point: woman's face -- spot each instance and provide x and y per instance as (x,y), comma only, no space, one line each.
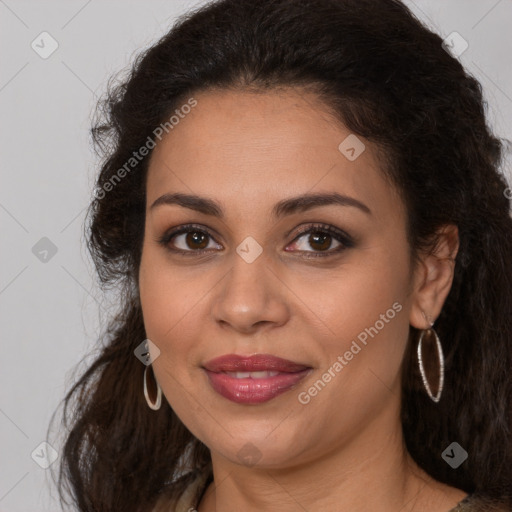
(339,308)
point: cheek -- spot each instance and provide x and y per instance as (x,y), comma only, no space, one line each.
(355,296)
(164,308)
(172,301)
(166,295)
(364,306)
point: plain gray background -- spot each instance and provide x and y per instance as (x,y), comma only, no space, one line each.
(51,310)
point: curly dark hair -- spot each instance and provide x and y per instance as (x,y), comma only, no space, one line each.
(389,80)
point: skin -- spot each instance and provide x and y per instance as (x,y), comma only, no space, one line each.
(343,451)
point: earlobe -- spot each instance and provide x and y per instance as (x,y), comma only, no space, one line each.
(434,277)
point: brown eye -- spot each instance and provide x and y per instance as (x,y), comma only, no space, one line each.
(196,240)
(320,241)
(188,240)
(191,240)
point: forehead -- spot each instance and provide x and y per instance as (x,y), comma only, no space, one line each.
(252,147)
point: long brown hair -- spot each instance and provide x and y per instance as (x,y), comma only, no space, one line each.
(389,80)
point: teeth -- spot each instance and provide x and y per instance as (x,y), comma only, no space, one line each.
(252,375)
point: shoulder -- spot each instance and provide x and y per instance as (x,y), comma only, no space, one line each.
(185,494)
(188,502)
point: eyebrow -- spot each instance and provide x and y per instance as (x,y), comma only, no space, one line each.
(282,208)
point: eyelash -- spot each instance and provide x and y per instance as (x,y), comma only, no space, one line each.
(340,236)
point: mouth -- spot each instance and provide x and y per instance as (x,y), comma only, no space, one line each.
(253,379)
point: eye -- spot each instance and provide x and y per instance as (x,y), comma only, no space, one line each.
(192,240)
(187,240)
(320,238)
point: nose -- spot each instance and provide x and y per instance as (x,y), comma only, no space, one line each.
(250,297)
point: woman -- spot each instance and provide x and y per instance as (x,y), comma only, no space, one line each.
(302,207)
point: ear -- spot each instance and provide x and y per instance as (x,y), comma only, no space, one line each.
(433,277)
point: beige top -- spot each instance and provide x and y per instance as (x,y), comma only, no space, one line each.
(186,503)
(470,503)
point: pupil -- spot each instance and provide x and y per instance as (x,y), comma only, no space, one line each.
(323,238)
(194,238)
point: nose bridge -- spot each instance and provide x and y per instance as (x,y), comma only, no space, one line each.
(248,280)
(250,293)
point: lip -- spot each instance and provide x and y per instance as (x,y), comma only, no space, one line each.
(254,363)
(249,390)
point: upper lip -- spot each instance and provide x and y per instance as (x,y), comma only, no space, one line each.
(254,363)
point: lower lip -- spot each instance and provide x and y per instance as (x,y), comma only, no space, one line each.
(254,391)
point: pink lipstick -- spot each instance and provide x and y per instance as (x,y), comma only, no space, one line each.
(253,379)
